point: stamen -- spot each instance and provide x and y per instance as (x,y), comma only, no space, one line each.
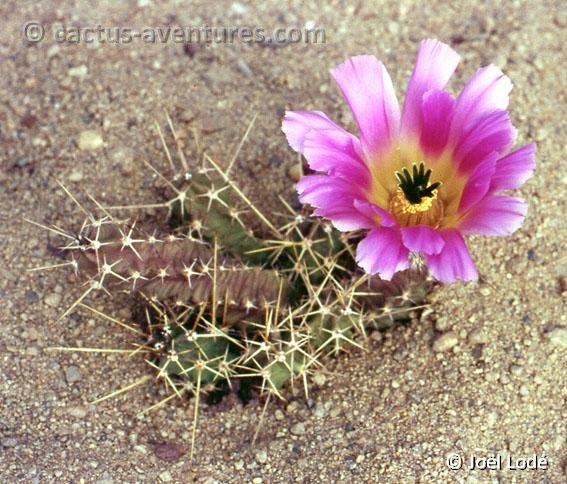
(416,188)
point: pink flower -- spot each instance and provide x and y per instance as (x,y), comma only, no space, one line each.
(421,179)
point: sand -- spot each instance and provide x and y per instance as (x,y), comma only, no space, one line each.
(496,383)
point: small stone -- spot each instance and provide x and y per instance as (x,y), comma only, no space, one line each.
(165,476)
(360,458)
(239,465)
(319,410)
(72,374)
(75,175)
(261,457)
(295,172)
(53,300)
(79,71)
(516,370)
(279,415)
(319,379)
(90,140)
(244,68)
(395,384)
(485,291)
(393,27)
(478,337)
(257,480)
(31,297)
(77,412)
(53,51)
(541,134)
(298,429)
(558,337)
(210,123)
(445,342)
(442,324)
(9,442)
(169,451)
(524,391)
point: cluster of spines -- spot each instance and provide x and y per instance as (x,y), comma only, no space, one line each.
(223,305)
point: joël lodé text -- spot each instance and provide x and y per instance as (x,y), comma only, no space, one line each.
(498,462)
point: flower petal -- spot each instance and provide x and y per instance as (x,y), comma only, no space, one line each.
(333,198)
(367,87)
(374,212)
(436,113)
(478,183)
(382,252)
(514,169)
(326,146)
(296,125)
(486,91)
(453,262)
(495,215)
(421,238)
(434,65)
(490,133)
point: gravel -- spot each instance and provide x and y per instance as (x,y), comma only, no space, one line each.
(404,433)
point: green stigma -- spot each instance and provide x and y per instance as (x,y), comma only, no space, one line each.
(415,185)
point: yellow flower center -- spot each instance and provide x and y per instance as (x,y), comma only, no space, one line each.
(429,211)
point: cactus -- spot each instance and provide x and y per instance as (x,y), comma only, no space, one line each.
(227,307)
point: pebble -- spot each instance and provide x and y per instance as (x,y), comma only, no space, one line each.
(31,297)
(279,415)
(445,342)
(319,410)
(294,173)
(75,175)
(319,379)
(524,391)
(244,68)
(239,465)
(77,412)
(257,480)
(261,457)
(558,337)
(485,291)
(72,374)
(442,324)
(478,336)
(298,429)
(165,476)
(79,71)
(53,299)
(90,140)
(9,442)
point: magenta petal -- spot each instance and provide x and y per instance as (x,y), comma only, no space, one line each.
(424,239)
(514,169)
(326,146)
(333,198)
(453,262)
(495,215)
(296,125)
(437,113)
(434,65)
(382,252)
(478,183)
(372,211)
(490,133)
(367,87)
(486,91)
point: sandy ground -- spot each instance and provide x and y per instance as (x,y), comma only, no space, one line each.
(391,415)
